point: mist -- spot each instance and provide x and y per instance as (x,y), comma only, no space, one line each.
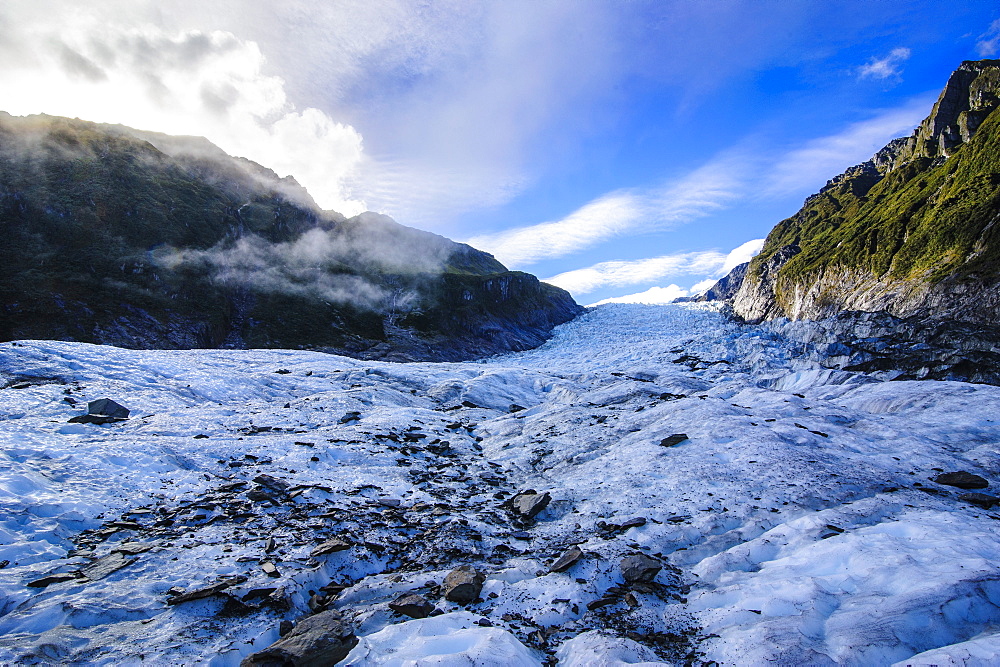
(336,265)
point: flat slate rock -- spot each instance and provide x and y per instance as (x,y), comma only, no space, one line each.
(332,545)
(567,560)
(983,500)
(208,591)
(962,480)
(102,567)
(675,439)
(52,579)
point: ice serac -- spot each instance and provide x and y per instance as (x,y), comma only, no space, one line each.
(142,240)
(913,231)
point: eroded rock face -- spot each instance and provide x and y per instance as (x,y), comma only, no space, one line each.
(318,641)
(754,301)
(727,287)
(915,348)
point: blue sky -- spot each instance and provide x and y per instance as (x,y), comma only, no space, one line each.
(614,147)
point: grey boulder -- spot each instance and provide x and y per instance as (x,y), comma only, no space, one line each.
(463,584)
(412,605)
(528,503)
(640,568)
(318,641)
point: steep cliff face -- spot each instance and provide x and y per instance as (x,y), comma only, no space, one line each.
(142,240)
(911,231)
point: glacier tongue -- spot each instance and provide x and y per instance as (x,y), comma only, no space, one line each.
(796,520)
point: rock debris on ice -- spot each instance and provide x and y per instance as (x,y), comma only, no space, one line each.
(766,508)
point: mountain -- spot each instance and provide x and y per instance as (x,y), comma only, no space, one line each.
(143,240)
(912,232)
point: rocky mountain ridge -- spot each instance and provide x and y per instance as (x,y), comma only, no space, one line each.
(143,240)
(911,232)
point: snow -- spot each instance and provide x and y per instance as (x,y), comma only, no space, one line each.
(798,522)
(449,640)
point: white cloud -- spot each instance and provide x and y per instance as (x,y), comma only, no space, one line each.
(989,42)
(457,95)
(808,168)
(619,213)
(210,84)
(740,254)
(635,272)
(887,67)
(703,286)
(653,296)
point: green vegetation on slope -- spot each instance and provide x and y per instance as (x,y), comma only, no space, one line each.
(929,219)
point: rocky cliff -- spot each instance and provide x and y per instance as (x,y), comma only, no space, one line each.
(142,240)
(911,232)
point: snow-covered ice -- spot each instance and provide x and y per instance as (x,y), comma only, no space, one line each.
(797,522)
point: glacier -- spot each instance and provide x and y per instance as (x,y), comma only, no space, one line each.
(796,517)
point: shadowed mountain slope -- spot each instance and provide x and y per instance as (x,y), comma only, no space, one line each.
(142,240)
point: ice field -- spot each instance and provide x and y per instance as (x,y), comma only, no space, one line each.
(796,518)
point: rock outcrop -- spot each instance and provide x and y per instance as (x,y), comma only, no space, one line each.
(727,286)
(913,231)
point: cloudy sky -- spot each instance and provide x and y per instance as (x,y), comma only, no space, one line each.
(614,147)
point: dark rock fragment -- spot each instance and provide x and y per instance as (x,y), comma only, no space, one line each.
(983,500)
(258,594)
(412,605)
(52,579)
(675,439)
(463,584)
(640,568)
(323,639)
(332,545)
(529,504)
(601,602)
(271,483)
(208,591)
(962,480)
(567,560)
(102,411)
